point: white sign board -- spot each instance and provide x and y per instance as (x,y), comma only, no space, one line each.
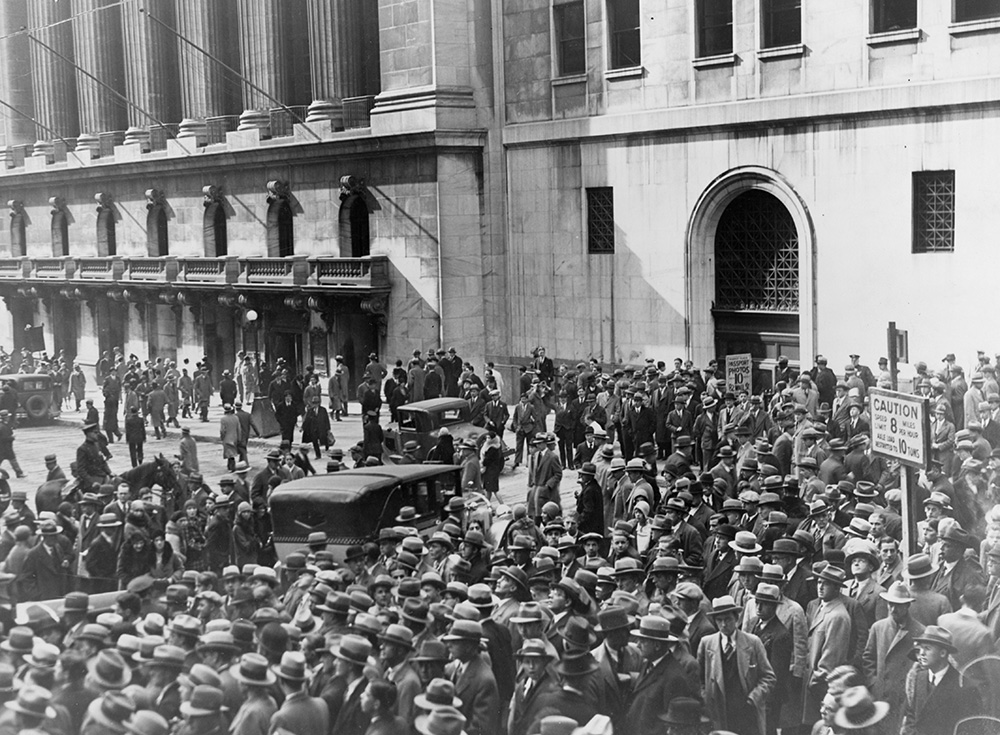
(900,427)
(739,369)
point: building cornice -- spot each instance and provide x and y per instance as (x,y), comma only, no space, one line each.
(908,99)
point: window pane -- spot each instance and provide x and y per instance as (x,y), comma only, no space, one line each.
(569,22)
(976,9)
(600,220)
(623,20)
(894,15)
(782,23)
(933,211)
(715,27)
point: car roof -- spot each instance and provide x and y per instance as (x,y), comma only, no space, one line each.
(23,376)
(361,481)
(435,404)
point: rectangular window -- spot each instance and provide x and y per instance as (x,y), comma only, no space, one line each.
(600,220)
(782,23)
(933,211)
(570,29)
(715,27)
(976,10)
(623,27)
(893,15)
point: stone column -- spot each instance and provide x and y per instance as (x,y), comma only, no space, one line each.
(206,87)
(263,52)
(15,74)
(53,79)
(332,30)
(150,68)
(97,40)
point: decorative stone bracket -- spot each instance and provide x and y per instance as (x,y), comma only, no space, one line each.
(155,198)
(105,201)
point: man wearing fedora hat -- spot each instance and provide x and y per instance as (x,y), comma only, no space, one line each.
(935,696)
(535,679)
(571,696)
(47,567)
(737,677)
(395,649)
(927,605)
(668,671)
(255,677)
(204,712)
(830,634)
(886,658)
(956,573)
(590,501)
(299,713)
(475,683)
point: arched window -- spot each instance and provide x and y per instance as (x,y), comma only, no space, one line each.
(60,234)
(357,217)
(106,242)
(18,235)
(157,242)
(280,229)
(216,234)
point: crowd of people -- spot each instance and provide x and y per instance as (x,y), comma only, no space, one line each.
(727,561)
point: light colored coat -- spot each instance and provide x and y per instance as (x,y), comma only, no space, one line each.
(755,670)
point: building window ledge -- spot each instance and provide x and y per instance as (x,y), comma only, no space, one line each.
(707,62)
(989,25)
(571,79)
(628,72)
(888,38)
(782,52)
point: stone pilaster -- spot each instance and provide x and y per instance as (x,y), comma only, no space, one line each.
(15,74)
(97,40)
(53,79)
(150,67)
(333,32)
(264,53)
(207,89)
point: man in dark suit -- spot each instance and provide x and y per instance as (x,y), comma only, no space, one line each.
(935,697)
(534,681)
(47,567)
(548,475)
(720,560)
(678,464)
(475,684)
(523,424)
(101,557)
(756,419)
(617,659)
(670,672)
(343,692)
(956,573)
(777,641)
(642,421)
(299,713)
(573,671)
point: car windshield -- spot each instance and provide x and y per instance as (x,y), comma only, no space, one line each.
(414,421)
(450,416)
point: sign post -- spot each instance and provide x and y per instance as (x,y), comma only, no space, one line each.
(739,373)
(901,431)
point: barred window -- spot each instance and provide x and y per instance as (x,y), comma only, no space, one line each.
(933,211)
(782,23)
(893,15)
(600,220)
(623,27)
(570,32)
(715,27)
(976,10)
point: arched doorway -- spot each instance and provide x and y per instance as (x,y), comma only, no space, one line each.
(750,267)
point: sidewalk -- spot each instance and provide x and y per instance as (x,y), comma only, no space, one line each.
(347,432)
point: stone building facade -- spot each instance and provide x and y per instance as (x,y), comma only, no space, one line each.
(621,179)
(303,178)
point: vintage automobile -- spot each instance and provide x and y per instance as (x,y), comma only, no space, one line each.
(421,422)
(34,394)
(351,506)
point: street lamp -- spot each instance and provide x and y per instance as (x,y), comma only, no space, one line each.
(251,317)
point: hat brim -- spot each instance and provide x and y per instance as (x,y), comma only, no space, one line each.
(929,573)
(949,647)
(50,712)
(881,710)
(892,600)
(187,709)
(735,609)
(663,639)
(269,680)
(602,629)
(423,703)
(757,548)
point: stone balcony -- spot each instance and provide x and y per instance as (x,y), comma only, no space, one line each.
(299,272)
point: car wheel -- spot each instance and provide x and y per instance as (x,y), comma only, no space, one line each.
(36,407)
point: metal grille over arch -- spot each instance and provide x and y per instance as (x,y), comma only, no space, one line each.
(757,256)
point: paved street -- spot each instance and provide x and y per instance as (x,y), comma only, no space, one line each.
(34,441)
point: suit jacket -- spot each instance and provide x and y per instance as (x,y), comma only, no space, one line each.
(867,594)
(935,711)
(408,686)
(301,714)
(928,606)
(477,688)
(756,676)
(970,636)
(991,615)
(387,726)
(563,701)
(886,662)
(524,709)
(349,720)
(254,716)
(777,641)
(676,675)
(952,584)
(629,662)
(799,587)
(718,571)
(499,643)
(43,576)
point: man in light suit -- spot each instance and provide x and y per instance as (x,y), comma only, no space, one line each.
(935,697)
(861,557)
(829,635)
(886,660)
(737,677)
(395,650)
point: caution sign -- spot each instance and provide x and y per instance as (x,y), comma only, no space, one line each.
(900,427)
(739,373)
